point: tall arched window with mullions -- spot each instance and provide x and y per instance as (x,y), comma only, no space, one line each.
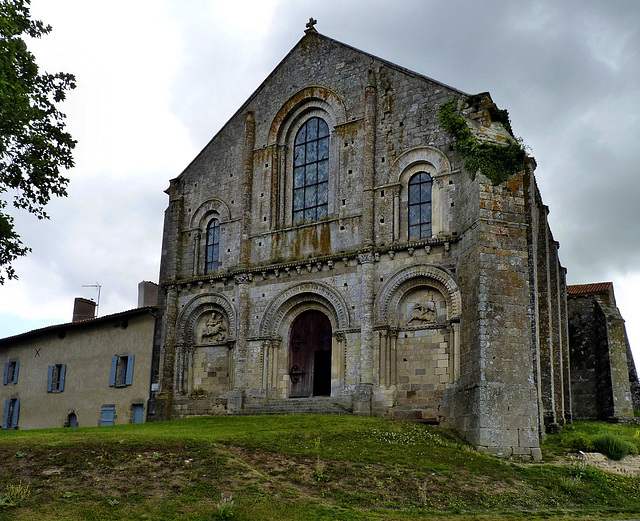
(311,171)
(420,206)
(212,249)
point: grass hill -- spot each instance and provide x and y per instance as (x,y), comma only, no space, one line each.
(299,468)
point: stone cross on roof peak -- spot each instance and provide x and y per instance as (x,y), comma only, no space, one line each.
(310,26)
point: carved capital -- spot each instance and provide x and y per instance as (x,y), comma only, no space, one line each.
(339,336)
(366,257)
(244,278)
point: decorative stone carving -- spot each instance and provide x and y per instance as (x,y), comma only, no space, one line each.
(215,329)
(366,257)
(192,319)
(244,278)
(319,294)
(423,313)
(406,280)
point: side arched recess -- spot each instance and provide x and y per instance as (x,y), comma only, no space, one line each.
(187,346)
(408,279)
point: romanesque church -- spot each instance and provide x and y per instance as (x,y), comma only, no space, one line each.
(327,251)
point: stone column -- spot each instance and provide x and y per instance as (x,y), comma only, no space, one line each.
(555,327)
(196,254)
(396,214)
(364,389)
(240,355)
(454,350)
(369,155)
(383,358)
(564,329)
(340,360)
(544,321)
(247,186)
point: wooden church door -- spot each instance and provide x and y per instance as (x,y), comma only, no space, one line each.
(310,355)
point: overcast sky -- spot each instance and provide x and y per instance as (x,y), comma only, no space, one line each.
(158,78)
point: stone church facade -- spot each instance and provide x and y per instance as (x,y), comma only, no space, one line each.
(327,250)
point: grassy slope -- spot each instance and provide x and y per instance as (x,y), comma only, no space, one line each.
(297,467)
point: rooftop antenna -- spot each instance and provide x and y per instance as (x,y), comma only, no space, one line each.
(98,286)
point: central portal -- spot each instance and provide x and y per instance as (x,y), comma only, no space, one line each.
(310,355)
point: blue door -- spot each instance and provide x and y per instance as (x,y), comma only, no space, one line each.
(138,411)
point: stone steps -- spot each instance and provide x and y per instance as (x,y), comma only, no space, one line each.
(317,405)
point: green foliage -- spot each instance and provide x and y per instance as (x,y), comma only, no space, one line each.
(579,441)
(225,507)
(611,445)
(496,161)
(15,495)
(33,144)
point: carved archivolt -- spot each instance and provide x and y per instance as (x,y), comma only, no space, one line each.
(315,96)
(212,207)
(303,297)
(408,279)
(418,155)
(209,316)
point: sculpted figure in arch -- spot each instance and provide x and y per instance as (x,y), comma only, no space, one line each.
(215,329)
(423,313)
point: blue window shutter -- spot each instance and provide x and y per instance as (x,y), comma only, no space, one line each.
(50,379)
(129,370)
(7,407)
(15,375)
(16,411)
(63,370)
(114,367)
(6,373)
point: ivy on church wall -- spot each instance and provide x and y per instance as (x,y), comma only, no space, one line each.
(498,162)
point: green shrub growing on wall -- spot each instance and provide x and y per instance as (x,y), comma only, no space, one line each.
(496,161)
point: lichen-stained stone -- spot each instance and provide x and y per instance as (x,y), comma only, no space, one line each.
(337,194)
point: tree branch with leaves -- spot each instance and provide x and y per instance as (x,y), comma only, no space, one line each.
(34,146)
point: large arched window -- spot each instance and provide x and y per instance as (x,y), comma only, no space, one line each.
(420,206)
(212,249)
(311,171)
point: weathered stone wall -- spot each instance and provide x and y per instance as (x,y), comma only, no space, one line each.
(601,380)
(472,363)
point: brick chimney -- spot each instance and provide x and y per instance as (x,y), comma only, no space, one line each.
(83,309)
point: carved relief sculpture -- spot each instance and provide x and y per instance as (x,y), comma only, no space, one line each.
(215,329)
(423,314)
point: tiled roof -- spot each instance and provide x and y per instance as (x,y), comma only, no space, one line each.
(79,323)
(583,289)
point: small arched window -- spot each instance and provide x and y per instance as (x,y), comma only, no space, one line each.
(212,249)
(420,206)
(311,171)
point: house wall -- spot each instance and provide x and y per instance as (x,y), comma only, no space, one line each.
(87,350)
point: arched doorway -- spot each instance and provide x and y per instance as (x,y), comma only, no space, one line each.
(72,420)
(310,355)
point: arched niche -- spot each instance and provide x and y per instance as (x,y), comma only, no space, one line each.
(194,317)
(394,297)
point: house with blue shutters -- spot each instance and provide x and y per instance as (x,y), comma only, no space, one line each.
(88,372)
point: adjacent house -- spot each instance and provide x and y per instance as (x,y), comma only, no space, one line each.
(91,371)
